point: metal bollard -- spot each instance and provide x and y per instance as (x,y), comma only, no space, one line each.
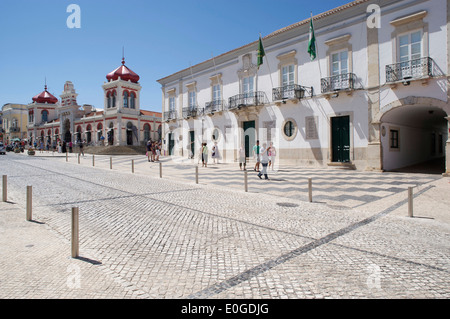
(246,181)
(160,170)
(310,189)
(196,174)
(75,232)
(410,201)
(110,163)
(93,160)
(4,188)
(78,158)
(67,157)
(132,166)
(29,203)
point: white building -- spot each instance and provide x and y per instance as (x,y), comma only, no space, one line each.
(375,98)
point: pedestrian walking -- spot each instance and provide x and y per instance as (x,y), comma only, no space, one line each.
(242,160)
(81,148)
(205,155)
(215,153)
(148,149)
(272,155)
(264,162)
(256,156)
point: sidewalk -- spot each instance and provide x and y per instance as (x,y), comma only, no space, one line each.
(36,262)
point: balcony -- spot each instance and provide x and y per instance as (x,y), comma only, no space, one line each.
(247,99)
(291,92)
(406,71)
(169,116)
(14,129)
(189,112)
(214,107)
(340,82)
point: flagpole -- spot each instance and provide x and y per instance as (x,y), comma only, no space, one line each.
(267,60)
(316,47)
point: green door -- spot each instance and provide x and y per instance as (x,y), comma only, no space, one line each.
(340,127)
(249,137)
(171,144)
(192,141)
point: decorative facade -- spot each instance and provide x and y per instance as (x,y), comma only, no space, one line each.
(376,97)
(122,122)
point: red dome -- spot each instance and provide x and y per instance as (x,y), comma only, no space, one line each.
(45,97)
(124,73)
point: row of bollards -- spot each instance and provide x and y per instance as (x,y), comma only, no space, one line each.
(29,215)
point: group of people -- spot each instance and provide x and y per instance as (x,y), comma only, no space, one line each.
(204,154)
(264,156)
(153,151)
(58,146)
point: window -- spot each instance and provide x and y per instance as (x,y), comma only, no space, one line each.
(44,116)
(216,93)
(113,103)
(30,117)
(132,100)
(410,46)
(394,139)
(125,99)
(289,129)
(288,75)
(192,100)
(247,85)
(215,135)
(172,103)
(339,63)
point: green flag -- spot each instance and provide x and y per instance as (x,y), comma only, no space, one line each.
(312,42)
(261,52)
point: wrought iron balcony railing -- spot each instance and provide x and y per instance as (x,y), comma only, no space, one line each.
(247,99)
(291,91)
(340,82)
(14,129)
(190,112)
(214,106)
(171,115)
(410,70)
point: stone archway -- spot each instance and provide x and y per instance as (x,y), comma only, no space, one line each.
(66,131)
(414,135)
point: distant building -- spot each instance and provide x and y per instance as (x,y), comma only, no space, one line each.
(376,97)
(122,122)
(14,122)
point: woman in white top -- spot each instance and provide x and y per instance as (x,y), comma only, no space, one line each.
(273,155)
(242,157)
(264,161)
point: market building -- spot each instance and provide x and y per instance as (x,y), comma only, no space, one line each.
(375,97)
(121,122)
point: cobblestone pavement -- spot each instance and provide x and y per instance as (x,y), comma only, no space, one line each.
(146,237)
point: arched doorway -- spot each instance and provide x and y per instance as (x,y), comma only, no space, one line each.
(413,137)
(111,134)
(129,133)
(66,129)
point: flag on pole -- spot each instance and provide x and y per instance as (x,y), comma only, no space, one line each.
(261,52)
(312,41)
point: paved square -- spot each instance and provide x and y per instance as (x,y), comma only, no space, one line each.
(146,237)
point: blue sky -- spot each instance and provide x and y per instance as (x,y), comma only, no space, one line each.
(160,38)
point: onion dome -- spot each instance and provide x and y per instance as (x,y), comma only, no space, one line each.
(45,97)
(124,73)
